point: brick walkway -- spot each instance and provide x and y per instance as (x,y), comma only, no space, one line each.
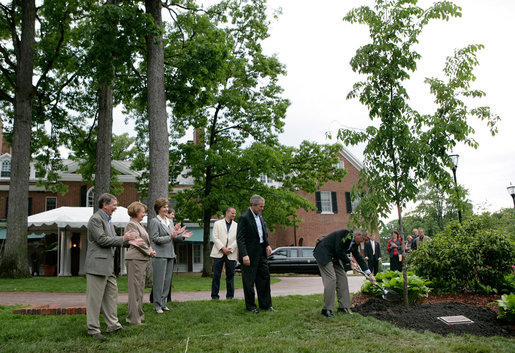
(75,303)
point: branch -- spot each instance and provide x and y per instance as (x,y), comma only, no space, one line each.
(7,74)
(6,97)
(51,62)
(6,58)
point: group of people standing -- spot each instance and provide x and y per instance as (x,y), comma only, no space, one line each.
(157,245)
(394,247)
(248,240)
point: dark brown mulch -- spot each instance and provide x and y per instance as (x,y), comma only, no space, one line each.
(423,316)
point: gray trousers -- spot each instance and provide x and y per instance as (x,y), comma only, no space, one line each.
(101,293)
(334,279)
(162,268)
(136,282)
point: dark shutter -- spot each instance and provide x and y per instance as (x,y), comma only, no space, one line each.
(348,202)
(318,202)
(334,202)
(83,192)
(30,206)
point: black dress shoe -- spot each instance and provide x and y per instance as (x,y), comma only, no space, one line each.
(327,313)
(345,310)
(98,336)
(118,329)
(253,311)
(271,309)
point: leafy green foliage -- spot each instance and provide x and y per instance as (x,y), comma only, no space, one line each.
(392,280)
(469,257)
(506,307)
(403,147)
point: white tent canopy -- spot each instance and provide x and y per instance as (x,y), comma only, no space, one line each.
(67,221)
(73,217)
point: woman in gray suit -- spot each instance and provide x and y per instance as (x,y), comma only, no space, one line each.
(136,261)
(163,233)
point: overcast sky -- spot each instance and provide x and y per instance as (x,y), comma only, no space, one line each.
(314,43)
(316,46)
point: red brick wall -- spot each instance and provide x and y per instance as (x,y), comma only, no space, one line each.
(71,198)
(316,224)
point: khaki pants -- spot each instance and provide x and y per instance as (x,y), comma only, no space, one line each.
(101,293)
(136,282)
(334,279)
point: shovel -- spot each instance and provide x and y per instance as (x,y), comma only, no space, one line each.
(388,295)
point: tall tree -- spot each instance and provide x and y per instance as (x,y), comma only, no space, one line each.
(404,147)
(14,260)
(156,109)
(222,84)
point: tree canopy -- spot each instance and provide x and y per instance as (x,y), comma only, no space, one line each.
(403,146)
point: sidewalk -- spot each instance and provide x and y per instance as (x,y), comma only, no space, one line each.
(75,303)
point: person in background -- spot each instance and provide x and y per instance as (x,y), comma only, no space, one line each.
(162,234)
(331,255)
(224,251)
(394,249)
(409,242)
(373,253)
(136,261)
(420,239)
(101,286)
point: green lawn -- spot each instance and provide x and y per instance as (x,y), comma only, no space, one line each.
(181,282)
(225,326)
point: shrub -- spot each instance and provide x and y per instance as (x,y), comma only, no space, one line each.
(392,280)
(506,307)
(470,257)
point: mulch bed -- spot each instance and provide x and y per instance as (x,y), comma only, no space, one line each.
(423,315)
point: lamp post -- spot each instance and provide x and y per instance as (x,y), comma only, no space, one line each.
(454,159)
(511,191)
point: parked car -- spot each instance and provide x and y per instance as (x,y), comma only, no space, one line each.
(293,259)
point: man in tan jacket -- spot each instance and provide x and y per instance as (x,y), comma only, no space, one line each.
(224,251)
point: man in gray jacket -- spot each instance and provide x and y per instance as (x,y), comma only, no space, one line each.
(102,289)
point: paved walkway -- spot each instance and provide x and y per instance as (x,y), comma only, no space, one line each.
(287,286)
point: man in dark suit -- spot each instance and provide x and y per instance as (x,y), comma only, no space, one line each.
(101,286)
(373,254)
(254,248)
(333,262)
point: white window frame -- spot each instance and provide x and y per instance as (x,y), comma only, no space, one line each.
(6,168)
(326,202)
(90,197)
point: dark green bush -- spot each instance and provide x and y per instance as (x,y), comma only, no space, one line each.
(392,280)
(473,257)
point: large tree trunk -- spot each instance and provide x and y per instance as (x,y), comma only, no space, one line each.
(157,122)
(105,135)
(14,262)
(207,267)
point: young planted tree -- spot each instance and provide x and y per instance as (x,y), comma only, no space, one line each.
(404,147)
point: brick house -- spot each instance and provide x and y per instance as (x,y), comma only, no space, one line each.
(334,207)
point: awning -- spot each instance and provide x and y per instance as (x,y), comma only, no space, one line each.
(3,233)
(73,217)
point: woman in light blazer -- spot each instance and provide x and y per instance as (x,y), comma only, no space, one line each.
(136,261)
(162,234)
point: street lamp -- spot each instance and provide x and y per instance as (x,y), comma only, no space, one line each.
(454,159)
(511,191)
